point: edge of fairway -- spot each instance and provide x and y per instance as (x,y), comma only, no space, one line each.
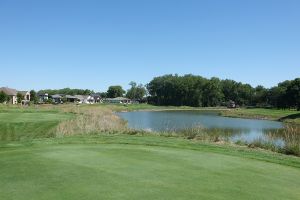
(160,141)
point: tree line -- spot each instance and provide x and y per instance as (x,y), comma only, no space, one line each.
(136,92)
(67,91)
(197,91)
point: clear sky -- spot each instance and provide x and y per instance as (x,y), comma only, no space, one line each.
(94,44)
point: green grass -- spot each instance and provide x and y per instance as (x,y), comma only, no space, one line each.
(262,113)
(141,167)
(31,117)
(20,123)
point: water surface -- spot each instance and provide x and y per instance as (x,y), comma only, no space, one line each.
(243,129)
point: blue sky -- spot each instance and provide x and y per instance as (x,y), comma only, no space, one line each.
(94,44)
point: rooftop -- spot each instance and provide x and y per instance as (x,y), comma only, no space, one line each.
(9,91)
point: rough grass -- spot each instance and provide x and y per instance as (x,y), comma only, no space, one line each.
(90,120)
(290,136)
(133,167)
(17,123)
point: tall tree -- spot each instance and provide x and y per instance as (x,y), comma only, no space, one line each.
(213,95)
(33,96)
(136,92)
(115,91)
(20,97)
(260,96)
(293,93)
(230,90)
(277,95)
(191,90)
(103,94)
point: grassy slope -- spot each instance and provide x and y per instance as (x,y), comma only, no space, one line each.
(19,123)
(142,167)
(261,113)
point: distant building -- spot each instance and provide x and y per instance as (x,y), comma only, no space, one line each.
(121,100)
(71,98)
(88,99)
(57,98)
(231,104)
(43,97)
(12,93)
(25,94)
(97,97)
(26,97)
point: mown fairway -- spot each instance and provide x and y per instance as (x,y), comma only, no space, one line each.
(17,124)
(144,168)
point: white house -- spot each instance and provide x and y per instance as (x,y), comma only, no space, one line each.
(88,99)
(43,97)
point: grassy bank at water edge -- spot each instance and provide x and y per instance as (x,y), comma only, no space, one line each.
(291,116)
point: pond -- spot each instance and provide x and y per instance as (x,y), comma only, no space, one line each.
(240,129)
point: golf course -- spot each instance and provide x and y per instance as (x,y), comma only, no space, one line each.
(37,161)
(150,100)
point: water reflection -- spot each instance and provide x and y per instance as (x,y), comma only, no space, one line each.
(233,129)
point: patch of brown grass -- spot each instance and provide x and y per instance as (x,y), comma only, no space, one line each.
(90,120)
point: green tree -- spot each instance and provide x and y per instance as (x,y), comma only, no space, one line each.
(293,94)
(277,96)
(244,94)
(103,94)
(33,96)
(68,91)
(115,91)
(191,90)
(260,96)
(230,90)
(20,97)
(213,95)
(136,92)
(177,90)
(3,97)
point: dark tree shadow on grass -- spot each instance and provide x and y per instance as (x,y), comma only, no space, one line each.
(293,116)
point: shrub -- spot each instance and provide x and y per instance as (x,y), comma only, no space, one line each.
(3,97)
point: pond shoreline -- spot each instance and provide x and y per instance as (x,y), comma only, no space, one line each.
(228,112)
(212,126)
(218,111)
